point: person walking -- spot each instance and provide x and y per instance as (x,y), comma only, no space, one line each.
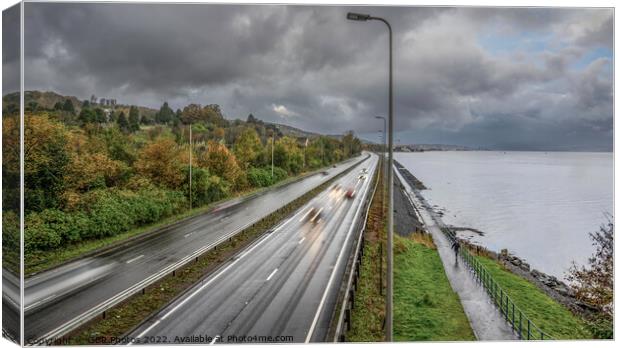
(456,246)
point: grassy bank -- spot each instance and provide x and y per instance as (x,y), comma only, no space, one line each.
(425,307)
(127,315)
(550,316)
(42,260)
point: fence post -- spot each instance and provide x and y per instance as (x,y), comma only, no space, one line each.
(513,315)
(501,300)
(528,330)
(520,327)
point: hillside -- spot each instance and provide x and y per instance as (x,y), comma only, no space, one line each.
(48,99)
(43,99)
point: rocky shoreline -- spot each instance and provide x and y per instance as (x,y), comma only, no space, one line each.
(550,285)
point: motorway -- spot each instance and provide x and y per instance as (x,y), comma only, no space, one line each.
(281,288)
(63,298)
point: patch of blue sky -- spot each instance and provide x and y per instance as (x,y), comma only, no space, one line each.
(592,55)
(521,42)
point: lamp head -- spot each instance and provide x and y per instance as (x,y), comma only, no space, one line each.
(357,16)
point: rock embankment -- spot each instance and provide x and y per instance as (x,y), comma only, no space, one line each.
(417,184)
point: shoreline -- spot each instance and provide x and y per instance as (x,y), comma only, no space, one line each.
(549,284)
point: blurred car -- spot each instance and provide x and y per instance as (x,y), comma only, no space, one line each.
(72,278)
(314,214)
(362,177)
(350,193)
(334,166)
(325,172)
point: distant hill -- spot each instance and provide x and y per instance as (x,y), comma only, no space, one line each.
(43,99)
(48,99)
(432,147)
(293,131)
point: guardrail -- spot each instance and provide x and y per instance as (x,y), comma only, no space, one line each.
(348,301)
(519,322)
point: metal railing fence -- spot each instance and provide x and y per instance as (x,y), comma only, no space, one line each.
(519,322)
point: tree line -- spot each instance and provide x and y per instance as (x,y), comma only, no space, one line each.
(98,172)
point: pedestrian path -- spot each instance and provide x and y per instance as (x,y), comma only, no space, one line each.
(484,318)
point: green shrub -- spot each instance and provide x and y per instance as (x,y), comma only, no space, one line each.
(260,177)
(218,189)
(38,235)
(109,212)
(279,174)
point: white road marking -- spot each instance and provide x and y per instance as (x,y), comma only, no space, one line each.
(214,339)
(187,235)
(271,275)
(316,215)
(301,240)
(306,214)
(147,330)
(135,258)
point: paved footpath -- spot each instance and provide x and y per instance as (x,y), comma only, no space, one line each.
(484,318)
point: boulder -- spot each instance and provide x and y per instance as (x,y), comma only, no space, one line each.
(525,266)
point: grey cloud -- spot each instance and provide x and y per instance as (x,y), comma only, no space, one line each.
(331,74)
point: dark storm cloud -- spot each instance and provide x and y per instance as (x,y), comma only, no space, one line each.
(10,49)
(458,71)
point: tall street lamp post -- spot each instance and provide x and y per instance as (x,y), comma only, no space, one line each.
(390,237)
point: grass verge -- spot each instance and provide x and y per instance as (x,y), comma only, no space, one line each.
(368,316)
(119,320)
(44,260)
(425,306)
(549,315)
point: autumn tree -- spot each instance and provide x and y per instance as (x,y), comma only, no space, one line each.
(87,115)
(122,122)
(165,114)
(247,147)
(220,161)
(594,284)
(288,155)
(134,118)
(68,106)
(219,133)
(192,113)
(161,162)
(93,170)
(46,159)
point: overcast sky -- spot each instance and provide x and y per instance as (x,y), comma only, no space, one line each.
(502,78)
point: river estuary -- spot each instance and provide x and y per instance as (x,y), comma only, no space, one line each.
(539,205)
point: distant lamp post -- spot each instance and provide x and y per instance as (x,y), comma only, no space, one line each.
(190,166)
(390,257)
(273,138)
(383,150)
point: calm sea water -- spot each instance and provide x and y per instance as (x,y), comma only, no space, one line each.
(540,206)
